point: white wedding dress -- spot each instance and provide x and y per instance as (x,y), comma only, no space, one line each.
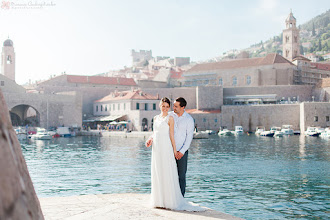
(165,188)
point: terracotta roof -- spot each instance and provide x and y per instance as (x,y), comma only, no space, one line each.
(101,80)
(241,63)
(176,75)
(196,111)
(127,95)
(321,66)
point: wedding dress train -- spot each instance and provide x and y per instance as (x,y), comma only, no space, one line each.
(165,188)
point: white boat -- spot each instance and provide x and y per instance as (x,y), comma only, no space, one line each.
(21,133)
(63,131)
(267,133)
(325,133)
(259,130)
(277,131)
(287,129)
(238,130)
(224,132)
(311,131)
(201,135)
(41,134)
(320,130)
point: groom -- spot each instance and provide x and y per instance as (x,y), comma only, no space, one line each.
(183,135)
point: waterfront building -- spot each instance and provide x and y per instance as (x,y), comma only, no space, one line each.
(135,106)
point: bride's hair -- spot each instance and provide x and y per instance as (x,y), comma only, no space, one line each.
(165,99)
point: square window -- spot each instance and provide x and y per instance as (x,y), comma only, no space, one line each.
(137,106)
(146,106)
(316,118)
(326,118)
(154,106)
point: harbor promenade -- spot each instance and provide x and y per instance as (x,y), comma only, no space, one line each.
(116,206)
(133,134)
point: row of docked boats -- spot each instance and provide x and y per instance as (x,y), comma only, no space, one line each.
(278,131)
(42,133)
(317,131)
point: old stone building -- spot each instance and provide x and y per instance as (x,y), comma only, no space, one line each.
(91,88)
(136,107)
(270,70)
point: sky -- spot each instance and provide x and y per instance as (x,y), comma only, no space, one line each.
(82,37)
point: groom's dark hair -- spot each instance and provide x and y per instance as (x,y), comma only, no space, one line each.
(182,101)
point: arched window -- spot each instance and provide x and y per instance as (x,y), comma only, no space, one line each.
(234,81)
(248,80)
(9,59)
(220,82)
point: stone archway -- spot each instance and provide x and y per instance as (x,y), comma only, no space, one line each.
(22,115)
(144,124)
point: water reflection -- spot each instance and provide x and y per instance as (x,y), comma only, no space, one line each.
(247,176)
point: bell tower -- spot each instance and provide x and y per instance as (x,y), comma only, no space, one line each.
(8,59)
(290,38)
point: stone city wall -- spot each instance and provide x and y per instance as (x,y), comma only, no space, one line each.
(209,97)
(252,116)
(55,110)
(89,94)
(314,114)
(18,199)
(208,121)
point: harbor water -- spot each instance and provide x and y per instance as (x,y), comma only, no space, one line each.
(246,176)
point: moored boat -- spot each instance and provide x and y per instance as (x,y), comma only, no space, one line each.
(311,131)
(325,133)
(224,132)
(287,129)
(238,130)
(277,131)
(41,134)
(259,130)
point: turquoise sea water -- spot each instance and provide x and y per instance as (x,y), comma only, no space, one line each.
(247,176)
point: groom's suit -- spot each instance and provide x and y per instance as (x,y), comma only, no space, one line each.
(183,135)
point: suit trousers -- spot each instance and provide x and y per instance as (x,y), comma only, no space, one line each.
(182,169)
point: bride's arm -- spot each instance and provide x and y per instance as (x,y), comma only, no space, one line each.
(171,124)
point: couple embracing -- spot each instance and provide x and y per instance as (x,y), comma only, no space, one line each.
(173,133)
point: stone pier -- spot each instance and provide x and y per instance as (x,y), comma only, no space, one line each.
(116,206)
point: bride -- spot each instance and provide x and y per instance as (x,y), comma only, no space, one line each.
(165,188)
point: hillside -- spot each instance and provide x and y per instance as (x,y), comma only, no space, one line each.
(314,38)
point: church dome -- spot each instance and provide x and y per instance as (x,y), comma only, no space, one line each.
(290,18)
(8,43)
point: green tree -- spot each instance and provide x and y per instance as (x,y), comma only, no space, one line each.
(313,30)
(325,36)
(301,48)
(319,45)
